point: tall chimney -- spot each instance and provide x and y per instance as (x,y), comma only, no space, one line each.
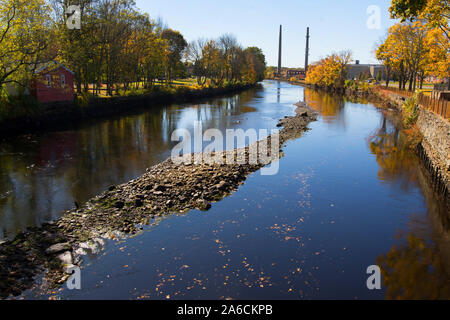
(307,50)
(279,52)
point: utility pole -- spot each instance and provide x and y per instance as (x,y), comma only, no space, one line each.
(279,52)
(307,50)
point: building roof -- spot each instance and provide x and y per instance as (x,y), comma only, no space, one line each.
(50,65)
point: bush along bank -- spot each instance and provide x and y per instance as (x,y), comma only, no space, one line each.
(59,115)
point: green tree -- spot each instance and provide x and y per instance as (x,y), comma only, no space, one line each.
(176,46)
(26,34)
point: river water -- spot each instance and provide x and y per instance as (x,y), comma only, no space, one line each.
(349,194)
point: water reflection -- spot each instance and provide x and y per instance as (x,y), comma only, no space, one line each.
(414,271)
(42,175)
(418,265)
(395,157)
(329,106)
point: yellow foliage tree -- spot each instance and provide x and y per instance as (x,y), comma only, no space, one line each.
(329,72)
(25,34)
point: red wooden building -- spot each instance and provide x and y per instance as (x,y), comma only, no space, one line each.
(52,82)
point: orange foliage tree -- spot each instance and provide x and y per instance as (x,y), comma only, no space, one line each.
(331,71)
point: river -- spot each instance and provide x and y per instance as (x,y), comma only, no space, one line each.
(349,194)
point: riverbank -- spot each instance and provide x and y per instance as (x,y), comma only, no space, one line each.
(122,210)
(434,145)
(61,115)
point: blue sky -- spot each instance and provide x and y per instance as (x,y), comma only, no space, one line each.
(334,24)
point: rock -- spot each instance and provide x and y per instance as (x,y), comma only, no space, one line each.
(66,258)
(159,187)
(119,204)
(138,203)
(203,205)
(58,248)
(112,188)
(222,184)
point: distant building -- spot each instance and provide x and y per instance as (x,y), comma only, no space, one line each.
(293,73)
(52,82)
(365,71)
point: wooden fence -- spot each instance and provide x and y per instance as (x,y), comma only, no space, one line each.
(438,106)
(432,103)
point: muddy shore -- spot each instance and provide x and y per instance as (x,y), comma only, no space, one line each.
(123,210)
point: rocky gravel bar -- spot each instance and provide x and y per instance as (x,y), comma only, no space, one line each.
(123,210)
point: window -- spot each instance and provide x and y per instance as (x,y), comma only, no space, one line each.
(63,80)
(49,80)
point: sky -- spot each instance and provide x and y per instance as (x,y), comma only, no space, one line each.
(335,25)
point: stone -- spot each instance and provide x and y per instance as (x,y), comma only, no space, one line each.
(66,258)
(159,187)
(222,184)
(203,205)
(138,203)
(58,248)
(119,204)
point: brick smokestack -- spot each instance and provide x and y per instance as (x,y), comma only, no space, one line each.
(279,51)
(307,50)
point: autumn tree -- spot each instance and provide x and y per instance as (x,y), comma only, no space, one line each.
(25,39)
(176,46)
(435,12)
(331,71)
(383,54)
(194,55)
(412,51)
(224,60)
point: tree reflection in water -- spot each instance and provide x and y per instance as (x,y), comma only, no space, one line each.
(414,271)
(416,268)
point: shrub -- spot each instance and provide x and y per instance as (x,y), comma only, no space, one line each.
(410,108)
(82,99)
(17,106)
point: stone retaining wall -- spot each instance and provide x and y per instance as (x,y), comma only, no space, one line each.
(435,145)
